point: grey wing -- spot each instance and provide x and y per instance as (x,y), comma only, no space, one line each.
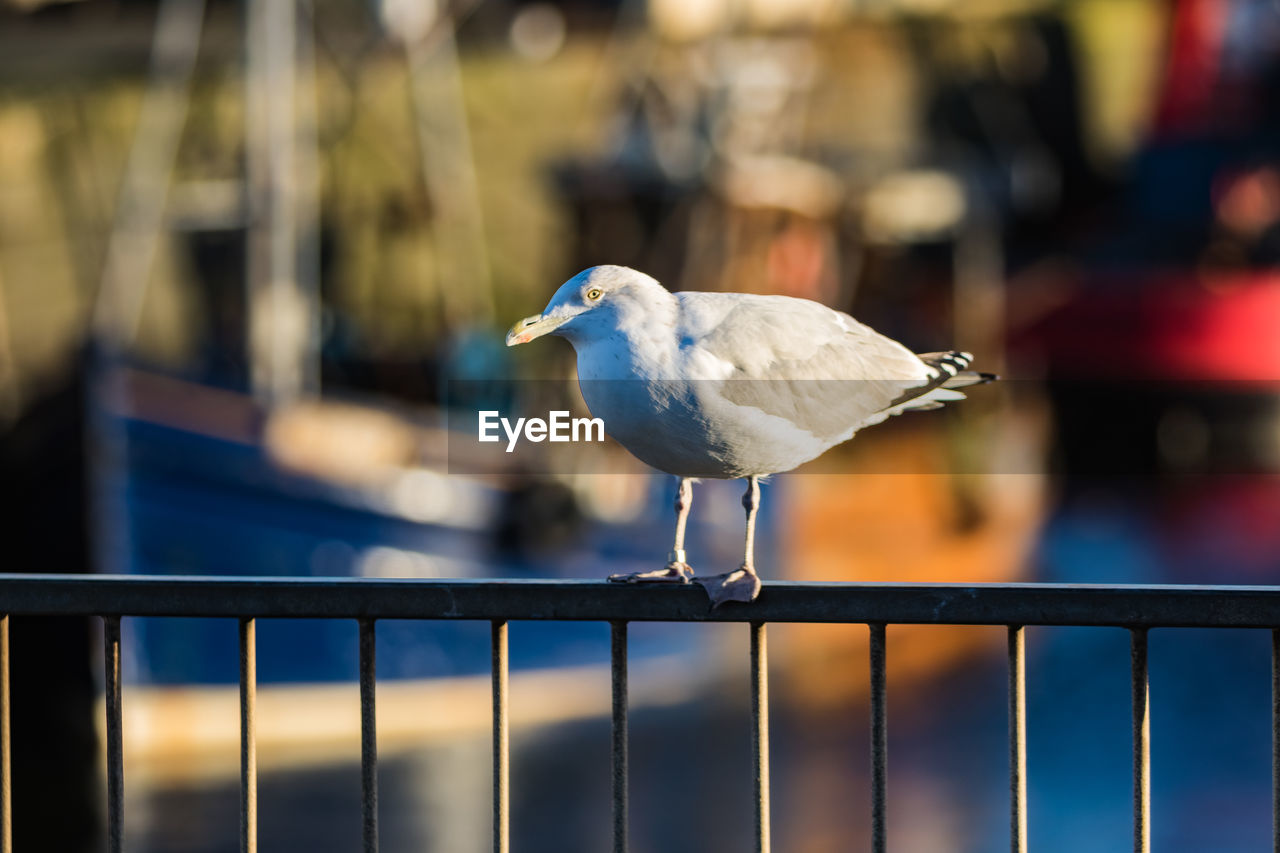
(818,368)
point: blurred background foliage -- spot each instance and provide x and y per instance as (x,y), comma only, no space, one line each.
(74,77)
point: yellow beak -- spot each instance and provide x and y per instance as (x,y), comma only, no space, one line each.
(532,327)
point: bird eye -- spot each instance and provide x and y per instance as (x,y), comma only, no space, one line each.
(594,293)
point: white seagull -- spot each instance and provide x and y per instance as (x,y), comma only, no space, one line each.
(727,385)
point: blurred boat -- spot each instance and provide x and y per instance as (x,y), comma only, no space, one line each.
(903,506)
(1187,362)
(202,480)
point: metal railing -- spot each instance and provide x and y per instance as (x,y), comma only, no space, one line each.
(1014,606)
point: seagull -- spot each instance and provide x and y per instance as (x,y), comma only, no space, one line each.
(731,385)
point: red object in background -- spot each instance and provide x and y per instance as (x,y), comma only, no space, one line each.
(800,261)
(1247,201)
(1229,523)
(1219,53)
(1170,325)
(1188,102)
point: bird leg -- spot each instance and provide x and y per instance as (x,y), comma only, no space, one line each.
(676,570)
(742,584)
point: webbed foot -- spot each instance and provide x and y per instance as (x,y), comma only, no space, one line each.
(743,585)
(676,571)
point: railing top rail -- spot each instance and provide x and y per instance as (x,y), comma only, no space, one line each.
(583,600)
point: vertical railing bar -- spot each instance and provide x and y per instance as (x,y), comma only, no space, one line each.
(115,747)
(1141,743)
(1275,739)
(501,742)
(368,737)
(618,658)
(6,778)
(879,738)
(760,730)
(248,735)
(1017,739)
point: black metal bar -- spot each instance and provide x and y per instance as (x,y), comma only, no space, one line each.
(354,598)
(248,736)
(760,731)
(1136,607)
(618,657)
(115,745)
(1017,739)
(1141,743)
(1275,739)
(879,739)
(501,743)
(368,737)
(6,777)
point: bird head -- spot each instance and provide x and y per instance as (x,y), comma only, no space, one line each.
(594,298)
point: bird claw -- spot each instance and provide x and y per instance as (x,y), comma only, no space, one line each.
(742,585)
(673,572)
